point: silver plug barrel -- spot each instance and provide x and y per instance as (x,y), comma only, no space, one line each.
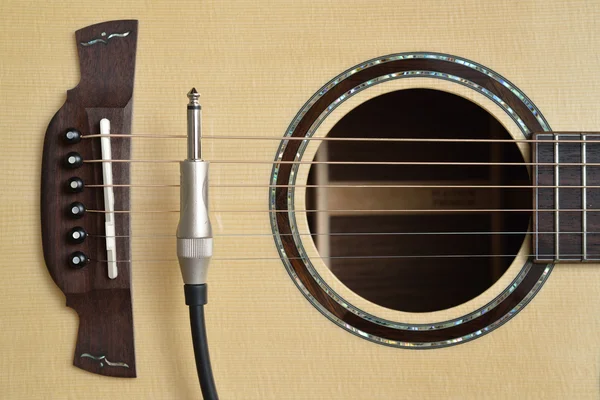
(194,232)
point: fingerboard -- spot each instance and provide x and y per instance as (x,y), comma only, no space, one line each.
(566,183)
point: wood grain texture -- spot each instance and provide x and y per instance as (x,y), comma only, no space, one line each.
(255,65)
(104,91)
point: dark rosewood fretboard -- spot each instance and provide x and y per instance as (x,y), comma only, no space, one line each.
(566,227)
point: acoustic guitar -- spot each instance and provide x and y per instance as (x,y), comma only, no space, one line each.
(405,199)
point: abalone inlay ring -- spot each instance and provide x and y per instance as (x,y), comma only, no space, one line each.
(289,242)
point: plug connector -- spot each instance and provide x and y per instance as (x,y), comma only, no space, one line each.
(194,232)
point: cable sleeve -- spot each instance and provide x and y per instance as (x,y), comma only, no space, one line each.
(195,298)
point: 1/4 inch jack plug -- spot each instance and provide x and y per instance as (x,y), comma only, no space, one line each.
(195,242)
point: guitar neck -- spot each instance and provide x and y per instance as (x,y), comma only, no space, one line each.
(566,197)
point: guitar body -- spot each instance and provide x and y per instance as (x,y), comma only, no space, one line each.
(256,66)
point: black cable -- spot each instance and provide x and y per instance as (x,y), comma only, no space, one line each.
(195,298)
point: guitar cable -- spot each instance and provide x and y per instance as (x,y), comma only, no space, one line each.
(195,242)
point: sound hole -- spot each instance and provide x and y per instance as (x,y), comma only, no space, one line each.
(423,260)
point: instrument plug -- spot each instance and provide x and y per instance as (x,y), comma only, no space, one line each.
(194,233)
(195,243)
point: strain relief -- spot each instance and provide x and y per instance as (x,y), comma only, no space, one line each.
(195,295)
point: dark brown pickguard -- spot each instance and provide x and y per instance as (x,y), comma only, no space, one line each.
(105,339)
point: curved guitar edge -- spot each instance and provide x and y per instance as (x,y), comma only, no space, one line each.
(105,341)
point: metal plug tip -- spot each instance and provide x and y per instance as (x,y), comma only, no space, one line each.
(194,126)
(193,95)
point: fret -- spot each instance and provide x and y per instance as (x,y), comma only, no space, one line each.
(536,214)
(584,196)
(544,243)
(556,198)
(592,197)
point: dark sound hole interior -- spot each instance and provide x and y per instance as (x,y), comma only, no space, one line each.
(428,260)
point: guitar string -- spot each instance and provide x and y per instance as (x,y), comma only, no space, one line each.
(151,185)
(591,257)
(172,235)
(413,163)
(425,210)
(353,139)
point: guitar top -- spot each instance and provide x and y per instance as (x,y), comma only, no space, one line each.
(404,199)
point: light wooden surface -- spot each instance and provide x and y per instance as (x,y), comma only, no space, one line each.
(255,64)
